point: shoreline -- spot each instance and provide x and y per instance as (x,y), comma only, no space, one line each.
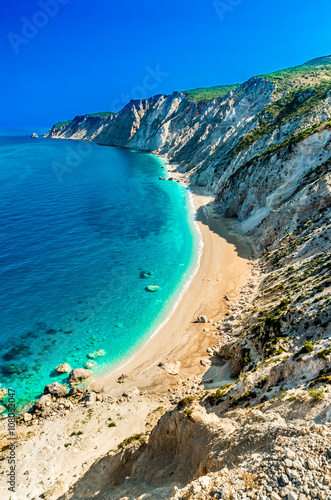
(175,361)
(178,297)
(174,351)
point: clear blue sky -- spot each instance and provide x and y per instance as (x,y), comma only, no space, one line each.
(91,55)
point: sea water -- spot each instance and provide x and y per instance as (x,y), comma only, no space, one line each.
(85,229)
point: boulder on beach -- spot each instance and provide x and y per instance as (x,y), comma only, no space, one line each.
(172,368)
(122,378)
(56,389)
(131,392)
(78,375)
(96,354)
(202,319)
(43,403)
(64,368)
(27,417)
(90,397)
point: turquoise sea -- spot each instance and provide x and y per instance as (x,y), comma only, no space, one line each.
(80,225)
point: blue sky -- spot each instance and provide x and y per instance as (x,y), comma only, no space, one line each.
(61,58)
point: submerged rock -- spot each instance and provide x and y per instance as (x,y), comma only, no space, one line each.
(64,368)
(56,389)
(3,392)
(146,274)
(152,288)
(97,354)
(78,375)
(20,350)
(90,364)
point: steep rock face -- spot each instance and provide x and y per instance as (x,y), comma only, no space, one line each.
(253,161)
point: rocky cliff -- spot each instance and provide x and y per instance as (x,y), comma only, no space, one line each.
(264,150)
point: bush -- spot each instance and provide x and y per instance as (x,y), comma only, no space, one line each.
(183,403)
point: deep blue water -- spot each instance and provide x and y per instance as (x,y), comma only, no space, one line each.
(79,222)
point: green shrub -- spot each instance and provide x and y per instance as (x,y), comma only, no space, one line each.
(183,403)
(317,394)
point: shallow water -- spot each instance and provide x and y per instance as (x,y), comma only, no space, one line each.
(79,223)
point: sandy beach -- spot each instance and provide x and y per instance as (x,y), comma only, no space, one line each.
(182,341)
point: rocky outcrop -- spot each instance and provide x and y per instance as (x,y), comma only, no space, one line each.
(78,375)
(56,389)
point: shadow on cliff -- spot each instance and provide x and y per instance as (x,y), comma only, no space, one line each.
(225,228)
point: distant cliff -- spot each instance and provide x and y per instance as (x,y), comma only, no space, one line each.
(235,145)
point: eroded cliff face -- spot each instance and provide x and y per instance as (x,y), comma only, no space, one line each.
(207,139)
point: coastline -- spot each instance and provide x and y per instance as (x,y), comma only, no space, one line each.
(181,342)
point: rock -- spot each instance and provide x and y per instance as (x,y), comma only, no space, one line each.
(99,397)
(152,288)
(146,274)
(78,375)
(97,354)
(293,474)
(90,364)
(90,397)
(56,389)
(206,330)
(290,454)
(312,465)
(64,368)
(284,491)
(292,496)
(172,368)
(205,362)
(34,136)
(122,378)
(202,319)
(226,298)
(27,417)
(274,496)
(42,403)
(76,392)
(131,392)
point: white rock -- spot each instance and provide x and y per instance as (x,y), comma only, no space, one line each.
(172,368)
